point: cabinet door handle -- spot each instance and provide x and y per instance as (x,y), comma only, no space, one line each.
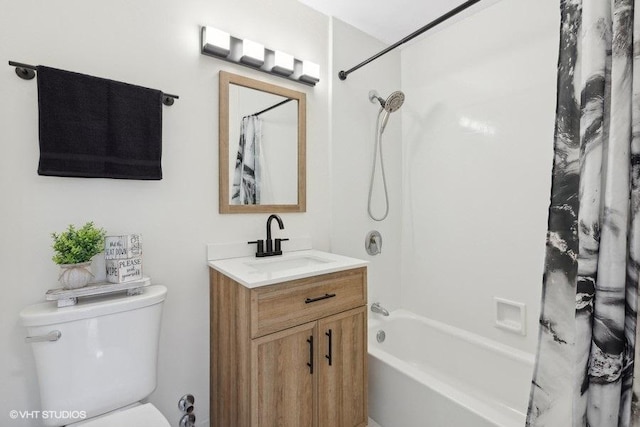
(310,363)
(329,356)
(325,296)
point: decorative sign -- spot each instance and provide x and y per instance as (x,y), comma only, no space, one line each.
(124,270)
(122,247)
(123,258)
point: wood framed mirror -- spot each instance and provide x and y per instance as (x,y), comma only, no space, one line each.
(262,147)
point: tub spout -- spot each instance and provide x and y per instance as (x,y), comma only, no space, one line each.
(377,308)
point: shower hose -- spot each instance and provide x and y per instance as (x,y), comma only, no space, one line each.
(378,148)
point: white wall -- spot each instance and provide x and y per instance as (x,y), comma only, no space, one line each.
(478,143)
(353,133)
(154,44)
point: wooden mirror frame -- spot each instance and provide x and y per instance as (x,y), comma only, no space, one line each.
(225,207)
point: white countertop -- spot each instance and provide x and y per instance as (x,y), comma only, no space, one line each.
(254,272)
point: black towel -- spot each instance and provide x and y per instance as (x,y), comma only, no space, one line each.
(98,128)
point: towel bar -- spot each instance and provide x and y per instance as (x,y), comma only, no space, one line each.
(28,72)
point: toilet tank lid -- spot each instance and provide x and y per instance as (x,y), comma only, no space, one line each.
(48,313)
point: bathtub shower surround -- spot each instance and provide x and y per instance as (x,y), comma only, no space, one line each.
(449,377)
(585,362)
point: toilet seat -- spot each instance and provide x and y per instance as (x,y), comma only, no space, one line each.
(145,415)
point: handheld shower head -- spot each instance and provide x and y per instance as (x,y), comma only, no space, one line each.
(387,106)
(391,104)
(394,101)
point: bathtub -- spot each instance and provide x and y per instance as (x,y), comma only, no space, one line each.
(428,374)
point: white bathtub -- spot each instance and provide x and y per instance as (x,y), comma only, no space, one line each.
(428,374)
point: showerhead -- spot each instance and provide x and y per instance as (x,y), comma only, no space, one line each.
(391,104)
(394,101)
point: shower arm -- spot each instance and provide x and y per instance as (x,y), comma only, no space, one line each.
(343,74)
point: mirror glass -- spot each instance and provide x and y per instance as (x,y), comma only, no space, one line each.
(262,147)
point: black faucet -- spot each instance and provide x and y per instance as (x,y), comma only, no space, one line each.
(272,249)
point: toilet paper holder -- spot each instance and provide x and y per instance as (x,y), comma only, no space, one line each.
(186,403)
(186,406)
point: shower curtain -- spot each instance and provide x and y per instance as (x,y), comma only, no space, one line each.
(247,173)
(584,374)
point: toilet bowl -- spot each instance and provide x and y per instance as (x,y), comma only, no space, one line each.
(145,415)
(101,360)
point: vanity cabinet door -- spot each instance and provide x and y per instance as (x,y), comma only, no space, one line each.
(342,369)
(283,377)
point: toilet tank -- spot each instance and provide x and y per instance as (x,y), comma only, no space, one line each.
(106,356)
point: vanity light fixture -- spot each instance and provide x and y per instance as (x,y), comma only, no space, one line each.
(310,72)
(222,45)
(283,63)
(216,42)
(252,53)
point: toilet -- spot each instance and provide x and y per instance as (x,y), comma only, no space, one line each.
(103,362)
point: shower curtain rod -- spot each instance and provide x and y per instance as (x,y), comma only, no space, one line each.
(27,72)
(271,108)
(343,74)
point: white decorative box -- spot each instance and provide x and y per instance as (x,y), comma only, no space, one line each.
(122,247)
(124,270)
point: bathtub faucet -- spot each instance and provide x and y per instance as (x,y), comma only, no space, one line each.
(377,308)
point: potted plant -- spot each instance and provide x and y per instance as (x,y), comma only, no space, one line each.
(73,250)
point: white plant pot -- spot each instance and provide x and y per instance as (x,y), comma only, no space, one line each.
(74,276)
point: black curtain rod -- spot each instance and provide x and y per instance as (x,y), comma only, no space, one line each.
(27,72)
(271,108)
(343,74)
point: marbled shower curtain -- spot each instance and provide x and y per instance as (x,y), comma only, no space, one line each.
(247,173)
(584,373)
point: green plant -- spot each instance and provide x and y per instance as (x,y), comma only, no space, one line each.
(75,246)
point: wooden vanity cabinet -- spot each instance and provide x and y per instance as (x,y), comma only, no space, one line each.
(292,354)
(342,385)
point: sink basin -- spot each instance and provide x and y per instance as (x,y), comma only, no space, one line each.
(254,272)
(276,265)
